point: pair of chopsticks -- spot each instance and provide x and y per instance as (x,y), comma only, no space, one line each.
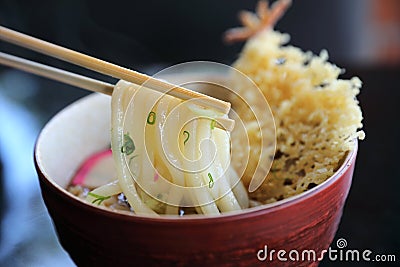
(101,66)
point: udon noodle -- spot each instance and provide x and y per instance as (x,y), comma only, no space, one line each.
(162,148)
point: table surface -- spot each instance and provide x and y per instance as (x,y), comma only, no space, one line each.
(371,216)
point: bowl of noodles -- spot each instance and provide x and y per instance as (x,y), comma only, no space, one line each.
(143,178)
(108,233)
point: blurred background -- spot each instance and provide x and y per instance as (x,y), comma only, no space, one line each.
(362,36)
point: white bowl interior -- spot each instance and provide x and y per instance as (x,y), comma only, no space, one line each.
(59,153)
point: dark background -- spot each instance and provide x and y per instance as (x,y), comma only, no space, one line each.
(363,36)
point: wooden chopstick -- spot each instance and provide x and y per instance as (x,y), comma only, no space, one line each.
(77,80)
(56,74)
(110,69)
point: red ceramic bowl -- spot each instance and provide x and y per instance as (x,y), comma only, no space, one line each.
(95,236)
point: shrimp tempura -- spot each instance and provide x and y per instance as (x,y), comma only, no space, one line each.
(253,23)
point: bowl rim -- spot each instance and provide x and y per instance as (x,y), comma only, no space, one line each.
(235,215)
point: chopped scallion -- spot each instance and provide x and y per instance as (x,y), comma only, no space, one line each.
(129,146)
(187,138)
(99,198)
(151,119)
(211,182)
(213,123)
